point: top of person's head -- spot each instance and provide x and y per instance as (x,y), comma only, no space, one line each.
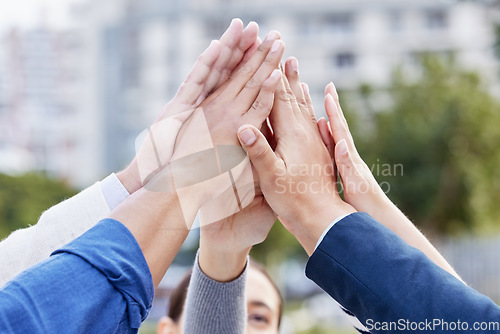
(178,296)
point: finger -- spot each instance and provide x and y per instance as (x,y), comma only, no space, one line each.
(337,125)
(261,107)
(330,89)
(248,42)
(248,70)
(262,157)
(347,168)
(292,74)
(191,90)
(326,136)
(310,107)
(282,117)
(249,54)
(269,67)
(293,99)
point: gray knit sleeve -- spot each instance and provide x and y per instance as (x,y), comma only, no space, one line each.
(213,307)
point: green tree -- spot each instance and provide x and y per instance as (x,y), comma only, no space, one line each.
(24,198)
(443,128)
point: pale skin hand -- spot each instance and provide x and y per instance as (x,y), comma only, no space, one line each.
(225,245)
(361,189)
(210,71)
(307,210)
(247,97)
(155,218)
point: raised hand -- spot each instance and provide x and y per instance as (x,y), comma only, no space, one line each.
(297,178)
(360,187)
(209,72)
(207,158)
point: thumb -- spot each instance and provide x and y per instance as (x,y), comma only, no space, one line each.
(260,153)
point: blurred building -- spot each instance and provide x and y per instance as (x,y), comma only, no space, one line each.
(37,102)
(149,47)
(86,95)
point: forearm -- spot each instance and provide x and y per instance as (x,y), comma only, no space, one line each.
(158,224)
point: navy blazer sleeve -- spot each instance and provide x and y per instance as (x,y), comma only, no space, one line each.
(98,283)
(392,287)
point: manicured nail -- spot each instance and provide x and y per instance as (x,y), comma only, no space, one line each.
(342,147)
(247,136)
(272,35)
(276,46)
(294,66)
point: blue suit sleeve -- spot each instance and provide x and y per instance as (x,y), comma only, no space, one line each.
(391,286)
(98,283)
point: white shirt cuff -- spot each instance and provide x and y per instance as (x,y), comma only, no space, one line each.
(328,229)
(113,190)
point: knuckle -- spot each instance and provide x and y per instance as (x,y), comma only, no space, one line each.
(262,47)
(257,105)
(245,70)
(283,96)
(303,104)
(270,59)
(260,153)
(253,83)
(291,95)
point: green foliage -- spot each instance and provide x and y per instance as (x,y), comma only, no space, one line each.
(279,245)
(24,198)
(444,130)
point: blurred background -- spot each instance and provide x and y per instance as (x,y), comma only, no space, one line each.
(419,82)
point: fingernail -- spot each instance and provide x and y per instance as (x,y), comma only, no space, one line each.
(294,65)
(247,136)
(276,46)
(276,73)
(342,147)
(272,35)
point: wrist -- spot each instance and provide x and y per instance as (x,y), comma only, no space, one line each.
(222,265)
(313,226)
(130,178)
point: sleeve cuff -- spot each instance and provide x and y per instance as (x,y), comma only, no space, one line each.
(328,229)
(236,284)
(112,249)
(113,191)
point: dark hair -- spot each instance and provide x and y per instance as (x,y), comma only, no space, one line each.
(177,298)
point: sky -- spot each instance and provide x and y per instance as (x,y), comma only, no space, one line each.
(29,13)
